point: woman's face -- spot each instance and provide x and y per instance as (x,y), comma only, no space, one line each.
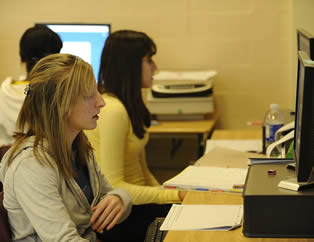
(84,112)
(148,69)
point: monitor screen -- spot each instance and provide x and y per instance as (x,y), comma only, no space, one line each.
(304,120)
(83,40)
(305,42)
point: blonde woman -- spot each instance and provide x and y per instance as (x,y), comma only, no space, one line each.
(53,188)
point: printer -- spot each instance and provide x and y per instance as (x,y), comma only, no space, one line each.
(181,95)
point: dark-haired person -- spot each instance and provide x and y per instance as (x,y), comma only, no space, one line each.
(120,138)
(53,187)
(35,43)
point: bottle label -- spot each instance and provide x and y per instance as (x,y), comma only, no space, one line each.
(270,132)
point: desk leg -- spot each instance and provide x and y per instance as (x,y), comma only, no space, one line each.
(202,138)
(201,147)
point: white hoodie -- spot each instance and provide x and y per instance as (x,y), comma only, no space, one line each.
(11,100)
(44,206)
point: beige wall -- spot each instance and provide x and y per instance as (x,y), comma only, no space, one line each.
(250,43)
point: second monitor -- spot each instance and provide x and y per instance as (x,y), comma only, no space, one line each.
(83,40)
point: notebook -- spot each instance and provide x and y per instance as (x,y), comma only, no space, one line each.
(203,217)
(208,178)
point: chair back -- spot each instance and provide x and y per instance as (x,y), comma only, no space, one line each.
(3,150)
(5,232)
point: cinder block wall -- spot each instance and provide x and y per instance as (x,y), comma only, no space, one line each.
(250,43)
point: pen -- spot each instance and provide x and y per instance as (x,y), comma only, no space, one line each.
(170,187)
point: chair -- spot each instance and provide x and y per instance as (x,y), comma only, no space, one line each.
(154,234)
(5,232)
(3,150)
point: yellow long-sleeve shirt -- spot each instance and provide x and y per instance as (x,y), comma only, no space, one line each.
(121,155)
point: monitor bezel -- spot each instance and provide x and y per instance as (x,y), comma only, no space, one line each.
(74,23)
(304,128)
(303,33)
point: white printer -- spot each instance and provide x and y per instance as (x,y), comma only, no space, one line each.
(177,95)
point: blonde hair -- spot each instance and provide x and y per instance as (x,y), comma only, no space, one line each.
(56,82)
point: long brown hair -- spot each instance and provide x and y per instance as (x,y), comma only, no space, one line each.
(56,82)
(121,73)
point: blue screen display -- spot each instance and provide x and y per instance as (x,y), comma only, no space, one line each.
(83,40)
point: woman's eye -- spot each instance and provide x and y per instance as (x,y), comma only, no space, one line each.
(88,97)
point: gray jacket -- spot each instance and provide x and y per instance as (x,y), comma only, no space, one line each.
(43,206)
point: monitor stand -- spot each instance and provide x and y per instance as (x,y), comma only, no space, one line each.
(292,184)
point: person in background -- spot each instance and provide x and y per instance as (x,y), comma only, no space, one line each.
(35,43)
(120,138)
(53,187)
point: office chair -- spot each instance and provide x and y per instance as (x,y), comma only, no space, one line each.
(5,232)
(154,234)
(3,150)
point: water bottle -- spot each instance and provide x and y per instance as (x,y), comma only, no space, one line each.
(273,121)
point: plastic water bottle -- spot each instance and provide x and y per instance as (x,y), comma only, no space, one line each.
(273,121)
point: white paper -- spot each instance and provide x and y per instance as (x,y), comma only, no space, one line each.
(239,145)
(207,177)
(203,217)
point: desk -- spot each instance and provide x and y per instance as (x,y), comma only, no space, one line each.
(238,134)
(222,198)
(202,128)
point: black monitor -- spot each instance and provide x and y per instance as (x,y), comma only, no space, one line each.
(83,40)
(304,121)
(305,42)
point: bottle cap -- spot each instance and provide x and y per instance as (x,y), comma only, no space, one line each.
(274,107)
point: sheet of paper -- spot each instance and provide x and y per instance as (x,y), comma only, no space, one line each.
(239,145)
(203,217)
(224,157)
(208,177)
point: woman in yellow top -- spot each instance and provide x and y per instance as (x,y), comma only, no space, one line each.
(120,137)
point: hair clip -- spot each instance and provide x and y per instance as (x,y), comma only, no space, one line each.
(27,90)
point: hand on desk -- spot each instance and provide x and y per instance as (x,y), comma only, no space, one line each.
(182,194)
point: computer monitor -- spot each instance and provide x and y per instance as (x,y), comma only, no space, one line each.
(83,40)
(304,121)
(305,42)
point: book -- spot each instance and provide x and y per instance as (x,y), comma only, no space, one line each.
(244,145)
(203,217)
(208,178)
(224,157)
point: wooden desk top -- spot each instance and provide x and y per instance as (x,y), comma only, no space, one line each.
(238,134)
(184,126)
(219,236)
(223,198)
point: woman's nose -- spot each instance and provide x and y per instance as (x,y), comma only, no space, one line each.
(154,66)
(101,102)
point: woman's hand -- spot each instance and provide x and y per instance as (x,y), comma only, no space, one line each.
(107,213)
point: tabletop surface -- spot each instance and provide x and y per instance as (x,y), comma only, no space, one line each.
(184,126)
(222,198)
